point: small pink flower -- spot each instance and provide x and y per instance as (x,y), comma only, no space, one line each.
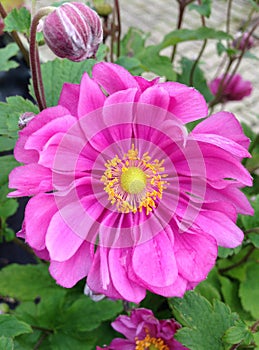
(233,89)
(142,330)
(122,193)
(243,41)
(73,31)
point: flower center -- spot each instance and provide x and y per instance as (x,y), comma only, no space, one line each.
(134,182)
(151,344)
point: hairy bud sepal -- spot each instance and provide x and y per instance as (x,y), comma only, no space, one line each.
(73,31)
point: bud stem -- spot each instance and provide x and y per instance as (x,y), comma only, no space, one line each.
(34,58)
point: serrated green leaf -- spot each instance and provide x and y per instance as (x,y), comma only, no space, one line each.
(238,333)
(249,290)
(18,20)
(225,252)
(6,53)
(204,323)
(204,9)
(6,343)
(7,163)
(86,315)
(35,276)
(10,112)
(229,290)
(11,327)
(181,35)
(57,72)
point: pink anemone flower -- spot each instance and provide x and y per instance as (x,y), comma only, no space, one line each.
(122,193)
(143,331)
(233,89)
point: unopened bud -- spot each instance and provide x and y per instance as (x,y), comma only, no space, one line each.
(73,31)
(103,9)
(243,41)
(24,119)
(4,308)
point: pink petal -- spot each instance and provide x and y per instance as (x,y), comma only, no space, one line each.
(154,262)
(38,214)
(127,288)
(91,96)
(69,272)
(69,97)
(28,185)
(144,83)
(187,103)
(177,289)
(189,248)
(29,156)
(61,242)
(99,276)
(219,226)
(223,124)
(225,143)
(157,96)
(41,136)
(113,77)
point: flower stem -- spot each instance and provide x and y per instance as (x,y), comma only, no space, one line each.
(34,58)
(16,38)
(117,7)
(240,262)
(200,53)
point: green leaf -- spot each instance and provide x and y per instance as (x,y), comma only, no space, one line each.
(6,343)
(55,73)
(35,276)
(6,53)
(181,35)
(229,290)
(86,315)
(8,207)
(132,64)
(10,112)
(133,42)
(7,163)
(249,290)
(61,341)
(238,333)
(152,61)
(250,222)
(11,327)
(204,324)
(199,80)
(254,238)
(204,9)
(18,20)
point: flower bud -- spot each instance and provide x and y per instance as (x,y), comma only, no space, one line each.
(243,41)
(73,31)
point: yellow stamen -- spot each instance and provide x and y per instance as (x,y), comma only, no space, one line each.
(151,344)
(133,183)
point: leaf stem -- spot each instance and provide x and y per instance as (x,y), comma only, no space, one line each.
(16,38)
(240,262)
